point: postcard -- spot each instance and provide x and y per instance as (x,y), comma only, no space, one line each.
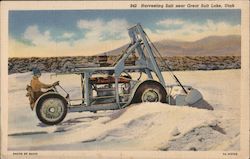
(125,79)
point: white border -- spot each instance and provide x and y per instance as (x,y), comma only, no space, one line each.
(66,5)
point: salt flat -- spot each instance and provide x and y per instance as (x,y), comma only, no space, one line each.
(145,126)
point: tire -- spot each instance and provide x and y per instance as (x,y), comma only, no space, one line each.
(150,91)
(51,109)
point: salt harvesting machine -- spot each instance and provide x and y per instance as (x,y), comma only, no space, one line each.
(113,87)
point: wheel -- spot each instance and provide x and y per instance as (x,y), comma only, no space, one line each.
(150,91)
(51,109)
(150,95)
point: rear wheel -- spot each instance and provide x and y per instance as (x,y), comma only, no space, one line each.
(51,109)
(150,91)
(150,95)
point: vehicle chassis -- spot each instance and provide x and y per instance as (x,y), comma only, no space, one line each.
(117,91)
(145,64)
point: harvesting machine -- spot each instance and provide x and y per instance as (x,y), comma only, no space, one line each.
(115,87)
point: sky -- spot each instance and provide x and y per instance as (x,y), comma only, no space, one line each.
(47,33)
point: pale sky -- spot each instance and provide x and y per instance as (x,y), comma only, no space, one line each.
(90,32)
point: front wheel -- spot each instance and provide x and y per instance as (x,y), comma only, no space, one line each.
(51,109)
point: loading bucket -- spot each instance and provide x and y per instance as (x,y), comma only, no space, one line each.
(193,97)
(179,97)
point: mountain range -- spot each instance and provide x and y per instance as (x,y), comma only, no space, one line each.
(209,46)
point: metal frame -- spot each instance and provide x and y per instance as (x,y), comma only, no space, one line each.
(146,63)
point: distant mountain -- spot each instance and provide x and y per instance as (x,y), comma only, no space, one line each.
(210,46)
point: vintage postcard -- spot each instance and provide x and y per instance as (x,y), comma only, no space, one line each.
(125,79)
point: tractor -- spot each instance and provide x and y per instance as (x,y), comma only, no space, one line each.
(113,87)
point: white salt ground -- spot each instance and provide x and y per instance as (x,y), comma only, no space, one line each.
(145,126)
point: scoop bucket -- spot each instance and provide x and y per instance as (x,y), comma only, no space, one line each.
(193,96)
(183,95)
